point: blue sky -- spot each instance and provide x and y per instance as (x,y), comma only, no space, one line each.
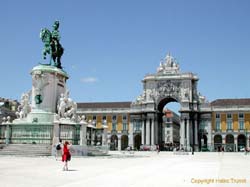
(110,45)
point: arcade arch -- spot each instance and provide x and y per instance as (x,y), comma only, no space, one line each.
(124,142)
(168,123)
(229,143)
(217,142)
(114,142)
(204,143)
(137,141)
(241,142)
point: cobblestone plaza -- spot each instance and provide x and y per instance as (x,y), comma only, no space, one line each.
(124,169)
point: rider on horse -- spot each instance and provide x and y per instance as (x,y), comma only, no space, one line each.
(52,45)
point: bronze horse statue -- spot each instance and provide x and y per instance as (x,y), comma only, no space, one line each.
(52,45)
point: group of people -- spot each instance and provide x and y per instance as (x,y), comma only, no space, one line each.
(64,150)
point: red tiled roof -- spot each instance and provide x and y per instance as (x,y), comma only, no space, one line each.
(231,102)
(104,105)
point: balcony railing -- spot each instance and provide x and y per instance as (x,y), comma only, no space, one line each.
(124,131)
(203,131)
(217,130)
(137,131)
(113,131)
(242,130)
(229,130)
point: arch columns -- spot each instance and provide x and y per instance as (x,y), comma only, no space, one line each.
(92,136)
(131,135)
(182,133)
(143,133)
(148,132)
(109,139)
(119,142)
(152,132)
(148,129)
(185,131)
(209,137)
(188,135)
(236,143)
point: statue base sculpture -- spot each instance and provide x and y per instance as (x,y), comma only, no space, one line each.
(48,84)
(51,114)
(38,115)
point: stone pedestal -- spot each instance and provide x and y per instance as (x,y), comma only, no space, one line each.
(83,133)
(48,83)
(105,135)
(56,133)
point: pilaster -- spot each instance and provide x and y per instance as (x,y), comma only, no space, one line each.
(105,135)
(143,133)
(119,143)
(56,133)
(153,133)
(83,133)
(147,132)
(131,136)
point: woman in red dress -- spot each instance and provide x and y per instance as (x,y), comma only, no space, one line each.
(66,156)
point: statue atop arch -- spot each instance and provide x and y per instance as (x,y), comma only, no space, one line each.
(168,65)
(52,44)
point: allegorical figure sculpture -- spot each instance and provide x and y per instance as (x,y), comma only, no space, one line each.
(66,107)
(24,107)
(39,82)
(52,44)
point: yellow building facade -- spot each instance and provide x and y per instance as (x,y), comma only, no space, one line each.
(114,115)
(230,124)
(227,128)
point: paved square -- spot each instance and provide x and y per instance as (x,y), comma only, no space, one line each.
(122,170)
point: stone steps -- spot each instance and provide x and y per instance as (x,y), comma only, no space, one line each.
(97,151)
(25,150)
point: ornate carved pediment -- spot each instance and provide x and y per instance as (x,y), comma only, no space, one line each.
(169,89)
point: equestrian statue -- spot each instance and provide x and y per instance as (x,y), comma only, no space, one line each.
(52,45)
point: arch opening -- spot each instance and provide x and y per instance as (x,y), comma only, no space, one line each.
(204,141)
(229,143)
(137,141)
(168,117)
(217,142)
(114,142)
(124,142)
(241,141)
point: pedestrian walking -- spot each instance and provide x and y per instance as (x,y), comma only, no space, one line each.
(158,148)
(66,156)
(58,149)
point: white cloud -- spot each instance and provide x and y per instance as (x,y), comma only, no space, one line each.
(89,80)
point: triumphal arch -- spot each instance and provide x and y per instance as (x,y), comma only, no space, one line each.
(169,84)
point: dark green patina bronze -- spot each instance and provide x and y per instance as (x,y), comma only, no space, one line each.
(52,45)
